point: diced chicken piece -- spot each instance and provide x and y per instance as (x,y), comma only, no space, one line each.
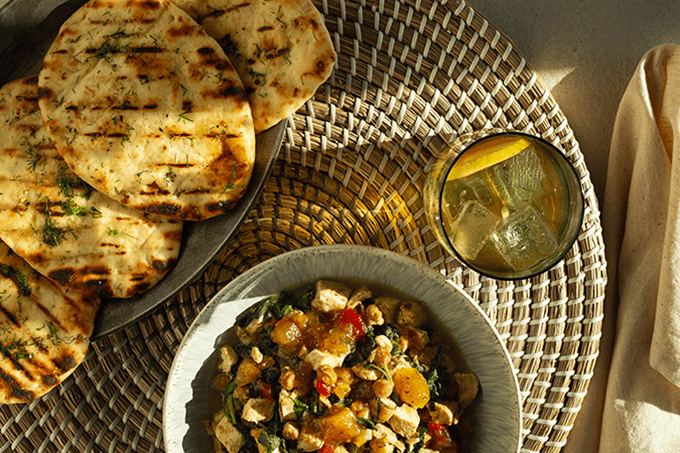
(380,357)
(330,296)
(248,334)
(258,410)
(309,439)
(381,446)
(229,436)
(318,359)
(286,405)
(242,393)
(417,338)
(382,409)
(468,386)
(381,431)
(399,362)
(228,358)
(364,436)
(445,413)
(412,314)
(389,306)
(405,421)
(367,374)
(359,296)
(256,355)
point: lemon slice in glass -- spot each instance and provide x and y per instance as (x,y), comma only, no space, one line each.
(491,155)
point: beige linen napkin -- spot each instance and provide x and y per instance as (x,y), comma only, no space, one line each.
(633,404)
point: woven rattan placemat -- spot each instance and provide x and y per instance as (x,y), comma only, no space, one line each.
(410,75)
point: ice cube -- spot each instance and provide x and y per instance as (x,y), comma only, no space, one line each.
(470,230)
(459,191)
(524,239)
(518,180)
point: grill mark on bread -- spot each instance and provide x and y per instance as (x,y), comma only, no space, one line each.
(48,314)
(154,189)
(18,367)
(169,209)
(101,288)
(185,29)
(15,388)
(10,316)
(150,5)
(221,206)
(65,362)
(231,9)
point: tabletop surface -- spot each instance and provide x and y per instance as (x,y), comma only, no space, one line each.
(551,324)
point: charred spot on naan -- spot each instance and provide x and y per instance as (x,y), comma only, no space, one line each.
(14,388)
(44,332)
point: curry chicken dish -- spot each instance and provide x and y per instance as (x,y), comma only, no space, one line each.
(334,369)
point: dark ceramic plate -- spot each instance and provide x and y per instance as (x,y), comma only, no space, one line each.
(27,28)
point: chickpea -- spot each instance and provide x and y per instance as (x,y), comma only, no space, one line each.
(373,315)
(383,388)
(383,342)
(291,431)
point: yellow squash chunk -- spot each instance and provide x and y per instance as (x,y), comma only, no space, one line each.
(411,386)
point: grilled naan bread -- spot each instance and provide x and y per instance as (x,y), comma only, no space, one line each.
(64,228)
(144,106)
(281,49)
(44,330)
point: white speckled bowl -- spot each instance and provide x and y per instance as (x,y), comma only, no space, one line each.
(190,400)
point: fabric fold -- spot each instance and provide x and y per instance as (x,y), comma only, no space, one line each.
(633,403)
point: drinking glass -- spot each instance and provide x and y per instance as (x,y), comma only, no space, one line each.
(507,204)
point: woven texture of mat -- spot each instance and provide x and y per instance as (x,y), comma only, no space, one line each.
(410,75)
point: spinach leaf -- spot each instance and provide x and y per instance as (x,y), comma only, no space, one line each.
(228,402)
(271,442)
(437,380)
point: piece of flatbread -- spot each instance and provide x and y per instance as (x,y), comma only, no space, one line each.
(64,228)
(280,48)
(44,330)
(144,106)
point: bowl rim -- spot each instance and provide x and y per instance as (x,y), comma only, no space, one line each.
(241,283)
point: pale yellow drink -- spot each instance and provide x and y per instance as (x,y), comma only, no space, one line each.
(508,205)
